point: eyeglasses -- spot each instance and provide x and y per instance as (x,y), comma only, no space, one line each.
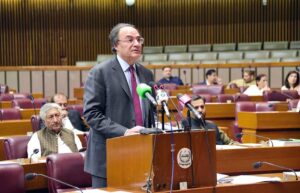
(200,106)
(130,40)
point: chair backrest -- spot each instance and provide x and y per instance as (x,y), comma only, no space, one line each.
(282,45)
(21,95)
(224,47)
(155,57)
(67,167)
(264,106)
(256,55)
(245,46)
(180,56)
(6,97)
(39,102)
(78,108)
(199,48)
(175,48)
(241,97)
(22,103)
(10,114)
(280,95)
(205,56)
(12,178)
(16,147)
(3,88)
(224,98)
(35,123)
(152,49)
(295,45)
(170,86)
(230,55)
(205,89)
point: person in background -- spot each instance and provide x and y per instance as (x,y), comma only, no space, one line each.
(259,88)
(112,106)
(199,104)
(53,138)
(247,80)
(72,119)
(291,82)
(211,78)
(168,78)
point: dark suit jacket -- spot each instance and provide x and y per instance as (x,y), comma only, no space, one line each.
(109,110)
(75,119)
(197,124)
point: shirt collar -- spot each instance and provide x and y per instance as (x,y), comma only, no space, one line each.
(124,65)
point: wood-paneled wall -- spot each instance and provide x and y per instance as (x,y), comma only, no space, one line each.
(61,32)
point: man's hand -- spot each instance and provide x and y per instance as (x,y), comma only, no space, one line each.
(133,131)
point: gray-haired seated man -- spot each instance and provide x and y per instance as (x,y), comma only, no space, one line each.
(53,138)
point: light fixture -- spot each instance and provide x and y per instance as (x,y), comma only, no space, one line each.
(130,2)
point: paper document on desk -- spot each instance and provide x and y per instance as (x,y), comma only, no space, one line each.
(287,142)
(219,147)
(101,191)
(290,176)
(250,179)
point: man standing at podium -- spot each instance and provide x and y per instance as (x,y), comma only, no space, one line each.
(112,107)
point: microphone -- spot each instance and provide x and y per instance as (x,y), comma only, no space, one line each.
(186,101)
(30,176)
(145,91)
(33,103)
(35,151)
(239,135)
(257,165)
(162,99)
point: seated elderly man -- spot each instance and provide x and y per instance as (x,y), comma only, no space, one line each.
(53,138)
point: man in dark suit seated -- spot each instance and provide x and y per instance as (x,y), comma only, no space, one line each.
(112,107)
(168,78)
(199,104)
(73,119)
(211,78)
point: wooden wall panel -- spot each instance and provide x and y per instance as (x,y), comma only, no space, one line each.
(61,32)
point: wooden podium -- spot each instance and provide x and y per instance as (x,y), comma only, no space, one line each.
(129,160)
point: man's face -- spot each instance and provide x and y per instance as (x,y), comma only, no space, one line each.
(213,78)
(61,101)
(167,72)
(53,120)
(199,106)
(247,77)
(129,46)
(263,82)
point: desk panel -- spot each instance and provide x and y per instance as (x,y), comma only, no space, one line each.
(15,127)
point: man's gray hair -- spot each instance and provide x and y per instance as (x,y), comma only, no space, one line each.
(114,34)
(48,106)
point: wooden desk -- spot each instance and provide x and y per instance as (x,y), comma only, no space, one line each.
(240,161)
(267,187)
(15,127)
(270,124)
(27,113)
(5,104)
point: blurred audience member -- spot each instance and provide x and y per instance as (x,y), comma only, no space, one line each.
(259,88)
(168,78)
(211,78)
(291,82)
(247,80)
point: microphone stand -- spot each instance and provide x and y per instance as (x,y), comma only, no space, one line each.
(162,118)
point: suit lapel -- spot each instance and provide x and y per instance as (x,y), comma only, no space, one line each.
(120,76)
